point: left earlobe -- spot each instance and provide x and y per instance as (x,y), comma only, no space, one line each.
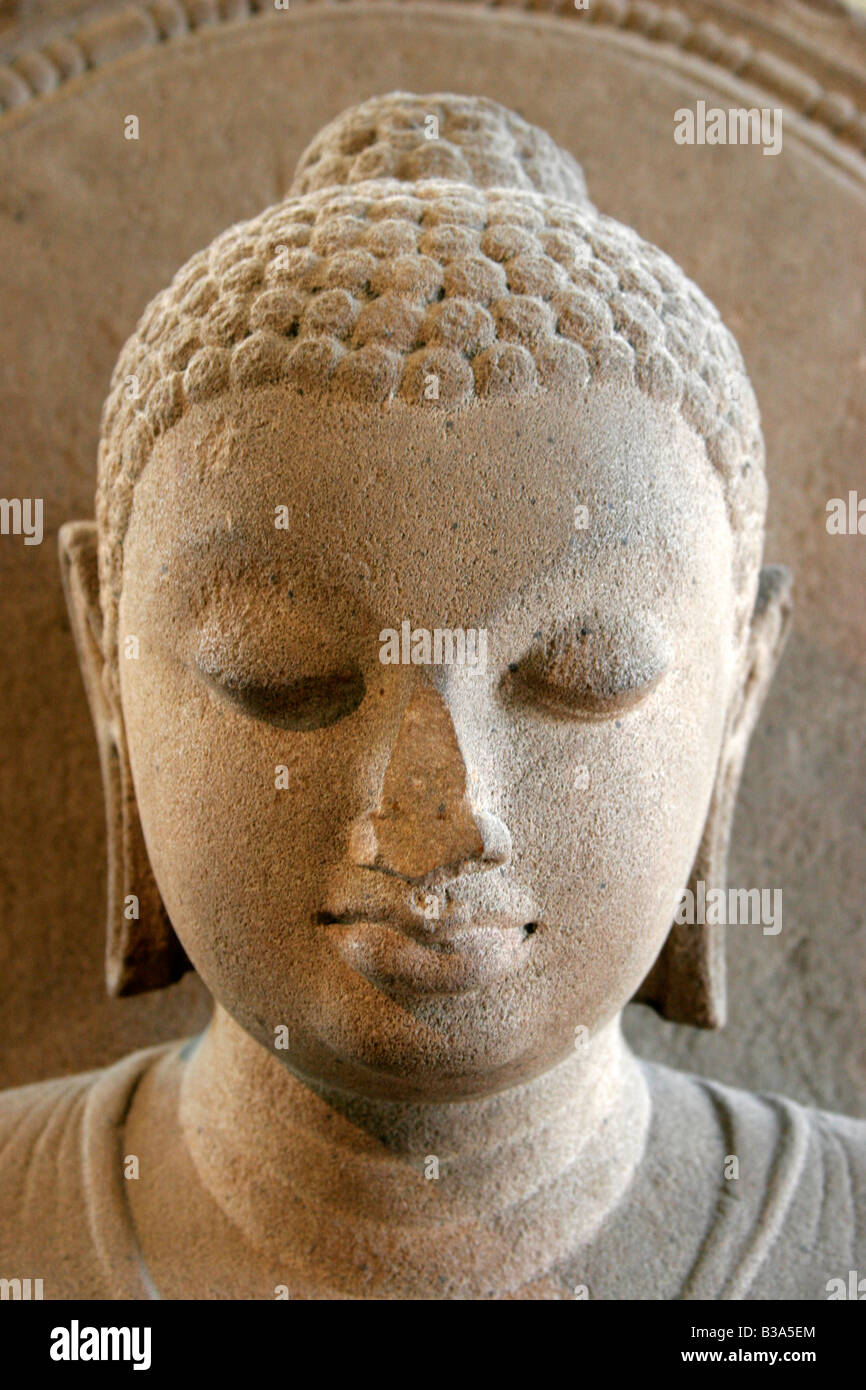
(768,632)
(687,981)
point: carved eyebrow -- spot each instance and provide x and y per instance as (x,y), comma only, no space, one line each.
(228,542)
(194,573)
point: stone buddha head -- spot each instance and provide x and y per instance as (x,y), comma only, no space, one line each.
(431,404)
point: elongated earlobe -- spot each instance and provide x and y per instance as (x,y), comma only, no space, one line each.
(142,950)
(687,982)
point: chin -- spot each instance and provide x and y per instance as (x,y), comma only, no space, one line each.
(397,1066)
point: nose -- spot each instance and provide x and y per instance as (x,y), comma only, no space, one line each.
(425,828)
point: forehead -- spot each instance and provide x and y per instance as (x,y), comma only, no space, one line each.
(434,512)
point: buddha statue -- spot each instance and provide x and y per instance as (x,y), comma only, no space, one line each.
(432,393)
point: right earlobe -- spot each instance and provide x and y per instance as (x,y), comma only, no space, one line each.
(142,950)
(79,572)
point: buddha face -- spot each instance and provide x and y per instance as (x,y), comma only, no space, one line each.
(412,879)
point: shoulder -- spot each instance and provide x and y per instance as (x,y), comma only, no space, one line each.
(789,1184)
(63,1213)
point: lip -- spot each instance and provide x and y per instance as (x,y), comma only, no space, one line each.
(415,956)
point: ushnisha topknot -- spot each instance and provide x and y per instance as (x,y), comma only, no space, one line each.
(470,140)
(474,258)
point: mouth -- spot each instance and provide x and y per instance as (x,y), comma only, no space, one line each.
(409,953)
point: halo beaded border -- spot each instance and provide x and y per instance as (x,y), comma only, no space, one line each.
(97,43)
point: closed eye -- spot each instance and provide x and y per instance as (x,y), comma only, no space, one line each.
(587,670)
(313,702)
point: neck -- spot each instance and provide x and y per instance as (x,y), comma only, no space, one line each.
(410,1195)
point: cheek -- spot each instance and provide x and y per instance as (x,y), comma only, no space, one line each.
(239,817)
(606,820)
